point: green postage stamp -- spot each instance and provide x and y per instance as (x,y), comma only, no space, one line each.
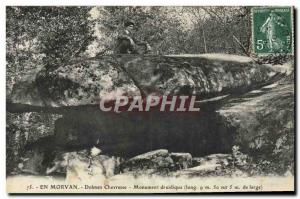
(272,30)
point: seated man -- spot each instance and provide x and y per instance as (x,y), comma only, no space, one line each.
(127,44)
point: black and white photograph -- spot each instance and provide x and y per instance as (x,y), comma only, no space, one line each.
(150,99)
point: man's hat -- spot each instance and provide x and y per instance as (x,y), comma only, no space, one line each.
(128,23)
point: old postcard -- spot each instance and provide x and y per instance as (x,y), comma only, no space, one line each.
(161,99)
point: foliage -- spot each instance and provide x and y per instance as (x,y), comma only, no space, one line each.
(23,129)
(53,36)
(40,37)
(280,162)
(44,36)
(274,59)
(219,30)
(176,30)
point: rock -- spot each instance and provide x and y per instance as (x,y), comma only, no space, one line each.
(74,91)
(210,165)
(80,165)
(158,162)
(263,122)
(32,163)
(152,155)
(77,165)
(182,160)
(213,159)
(82,83)
(154,160)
